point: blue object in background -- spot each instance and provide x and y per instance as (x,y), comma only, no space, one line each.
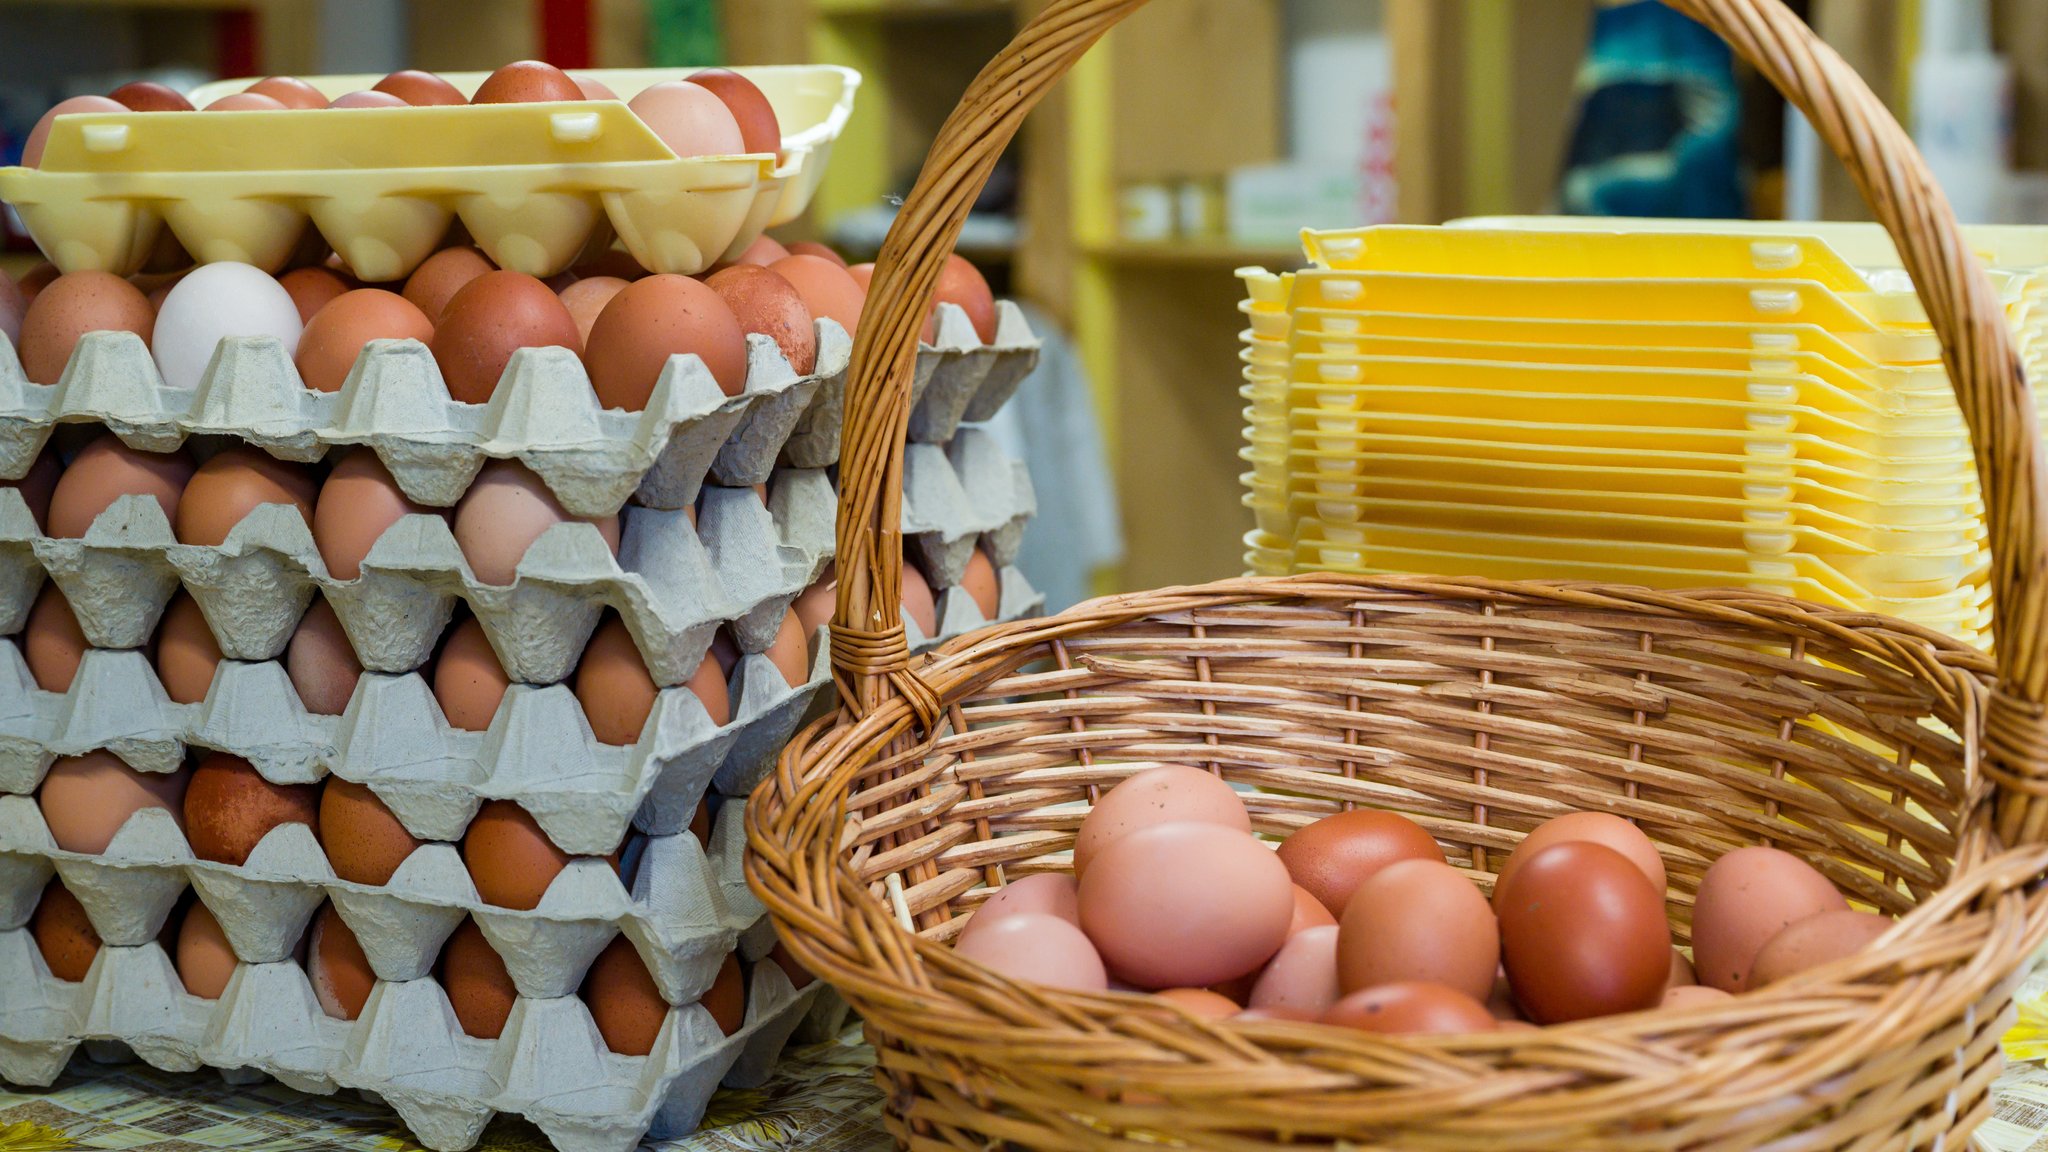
(1658,109)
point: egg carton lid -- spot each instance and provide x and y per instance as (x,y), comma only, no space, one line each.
(544,414)
(549,1065)
(533,183)
(672,583)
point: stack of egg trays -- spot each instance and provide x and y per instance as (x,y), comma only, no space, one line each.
(673,583)
(1849,480)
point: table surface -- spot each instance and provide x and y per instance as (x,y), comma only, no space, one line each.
(822,1099)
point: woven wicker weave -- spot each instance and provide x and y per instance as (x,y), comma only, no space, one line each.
(1909,768)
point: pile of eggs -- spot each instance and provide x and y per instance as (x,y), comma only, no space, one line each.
(1357,920)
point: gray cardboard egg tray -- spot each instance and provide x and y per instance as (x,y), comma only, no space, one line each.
(687,910)
(543,414)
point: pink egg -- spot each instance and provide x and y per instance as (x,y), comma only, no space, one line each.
(1303,974)
(594,89)
(246,102)
(689,119)
(368,98)
(39,136)
(1162,795)
(1186,905)
(1048,894)
(1038,949)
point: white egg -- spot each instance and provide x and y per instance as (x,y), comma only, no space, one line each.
(217,300)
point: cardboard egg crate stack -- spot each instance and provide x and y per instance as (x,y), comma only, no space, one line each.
(1675,404)
(726,507)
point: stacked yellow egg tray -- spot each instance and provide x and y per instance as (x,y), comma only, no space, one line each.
(1666,403)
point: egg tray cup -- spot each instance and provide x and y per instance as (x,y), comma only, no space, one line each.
(1906,766)
(688,909)
(543,413)
(536,185)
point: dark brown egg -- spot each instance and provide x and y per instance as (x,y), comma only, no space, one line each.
(759,129)
(341,974)
(229,807)
(510,859)
(656,318)
(1747,897)
(53,644)
(289,91)
(1583,934)
(63,933)
(526,82)
(365,843)
(234,483)
(39,485)
(440,276)
(624,1000)
(150,96)
(492,317)
(1336,854)
(1419,920)
(764,303)
(106,470)
(73,305)
(613,686)
(1412,1009)
(186,652)
(420,89)
(478,987)
(799,976)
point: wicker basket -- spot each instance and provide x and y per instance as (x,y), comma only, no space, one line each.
(1909,768)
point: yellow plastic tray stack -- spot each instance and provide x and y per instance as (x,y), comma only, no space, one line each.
(1671,403)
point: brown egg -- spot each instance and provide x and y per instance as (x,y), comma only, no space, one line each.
(1185,905)
(1166,794)
(1201,1003)
(813,248)
(312,289)
(370,99)
(1419,920)
(586,298)
(510,859)
(37,278)
(1597,827)
(53,644)
(71,306)
(321,662)
(506,509)
(365,843)
(39,136)
(440,276)
(289,91)
(1336,854)
(38,485)
(358,502)
(186,652)
(763,302)
(593,88)
(919,606)
(815,605)
(86,799)
(1302,975)
(800,977)
(653,319)
(150,96)
(688,119)
(526,82)
(229,807)
(961,285)
(828,290)
(420,89)
(760,131)
(158,288)
(341,974)
(1037,948)
(613,686)
(13,306)
(488,320)
(863,275)
(468,680)
(1747,897)
(700,823)
(233,484)
(337,333)
(1045,893)
(106,470)
(790,651)
(980,584)
(247,102)
(1681,971)
(624,1001)
(1414,1009)
(1814,941)
(1583,934)
(205,960)
(478,987)
(614,262)
(63,933)
(1692,996)
(1308,913)
(763,252)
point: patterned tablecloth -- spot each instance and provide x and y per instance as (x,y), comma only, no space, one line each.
(822,1099)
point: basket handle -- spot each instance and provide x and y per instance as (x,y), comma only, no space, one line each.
(870,658)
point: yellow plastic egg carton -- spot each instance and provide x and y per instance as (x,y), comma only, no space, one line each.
(1863,245)
(535,185)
